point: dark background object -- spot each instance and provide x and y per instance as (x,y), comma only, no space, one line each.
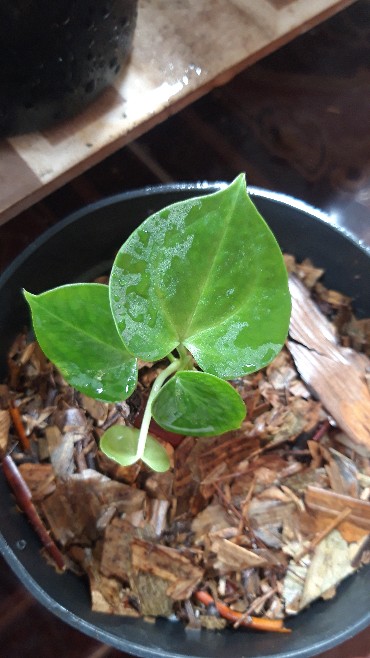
(83,246)
(57,55)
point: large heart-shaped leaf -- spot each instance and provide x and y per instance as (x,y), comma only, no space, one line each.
(206,273)
(198,404)
(120,443)
(76,330)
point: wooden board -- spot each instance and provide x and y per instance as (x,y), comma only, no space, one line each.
(181,51)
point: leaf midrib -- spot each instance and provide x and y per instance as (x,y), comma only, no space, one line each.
(207,278)
(231,316)
(124,349)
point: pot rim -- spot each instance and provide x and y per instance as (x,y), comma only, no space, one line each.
(165,188)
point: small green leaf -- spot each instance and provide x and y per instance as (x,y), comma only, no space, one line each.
(120,443)
(206,273)
(76,331)
(155,455)
(198,404)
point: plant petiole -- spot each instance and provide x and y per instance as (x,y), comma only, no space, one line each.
(185,358)
(158,383)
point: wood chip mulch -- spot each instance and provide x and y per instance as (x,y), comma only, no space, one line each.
(246,528)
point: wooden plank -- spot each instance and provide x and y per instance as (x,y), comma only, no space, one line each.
(181,51)
(336,374)
(332,503)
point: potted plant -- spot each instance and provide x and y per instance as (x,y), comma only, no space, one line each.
(171,297)
(156,640)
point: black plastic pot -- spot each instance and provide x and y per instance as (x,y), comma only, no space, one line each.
(57,55)
(83,246)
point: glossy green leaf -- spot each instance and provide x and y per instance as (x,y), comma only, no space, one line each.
(206,273)
(76,331)
(120,443)
(198,404)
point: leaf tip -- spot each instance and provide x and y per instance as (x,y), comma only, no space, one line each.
(240,181)
(29,296)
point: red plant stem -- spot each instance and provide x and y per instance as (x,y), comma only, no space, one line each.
(23,497)
(18,425)
(321,431)
(257,623)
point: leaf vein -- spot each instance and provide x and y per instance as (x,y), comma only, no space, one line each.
(95,338)
(210,270)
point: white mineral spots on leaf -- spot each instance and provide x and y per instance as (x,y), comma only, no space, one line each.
(231,359)
(137,307)
(232,334)
(120,292)
(157,232)
(178,213)
(178,251)
(165,239)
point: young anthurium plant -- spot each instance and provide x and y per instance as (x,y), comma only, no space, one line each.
(201,283)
